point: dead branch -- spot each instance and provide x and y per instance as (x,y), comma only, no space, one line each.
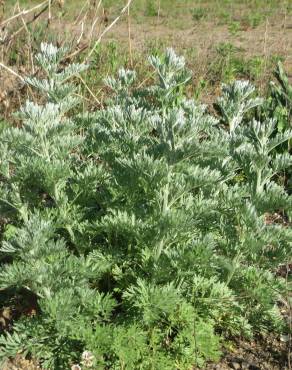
(23,13)
(108,28)
(35,17)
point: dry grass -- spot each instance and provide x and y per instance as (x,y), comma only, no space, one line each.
(260,33)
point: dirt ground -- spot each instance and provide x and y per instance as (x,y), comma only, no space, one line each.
(271,38)
(269,354)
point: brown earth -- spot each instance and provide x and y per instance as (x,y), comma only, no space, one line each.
(268,354)
(197,40)
(271,38)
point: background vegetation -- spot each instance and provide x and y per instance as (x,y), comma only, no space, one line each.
(221,40)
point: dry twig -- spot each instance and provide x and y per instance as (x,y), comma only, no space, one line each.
(36,16)
(108,28)
(11,71)
(24,12)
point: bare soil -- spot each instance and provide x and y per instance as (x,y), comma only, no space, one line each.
(261,354)
(270,38)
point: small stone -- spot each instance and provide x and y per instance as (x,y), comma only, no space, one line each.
(75,367)
(284,338)
(87,359)
(235,365)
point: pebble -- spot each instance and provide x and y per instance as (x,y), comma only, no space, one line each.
(235,365)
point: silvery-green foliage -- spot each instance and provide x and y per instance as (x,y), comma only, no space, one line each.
(253,146)
(55,86)
(281,102)
(125,79)
(236,100)
(41,151)
(172,75)
(147,226)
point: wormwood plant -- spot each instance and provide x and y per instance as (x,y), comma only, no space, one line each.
(137,235)
(279,103)
(281,98)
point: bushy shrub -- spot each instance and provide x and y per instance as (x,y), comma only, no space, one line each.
(137,235)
